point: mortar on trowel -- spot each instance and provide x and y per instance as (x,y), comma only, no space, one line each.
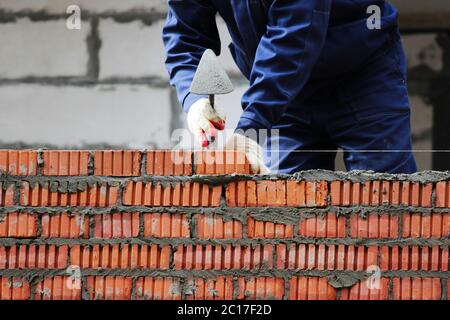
(210,78)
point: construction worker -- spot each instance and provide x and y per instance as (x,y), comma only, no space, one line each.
(327,74)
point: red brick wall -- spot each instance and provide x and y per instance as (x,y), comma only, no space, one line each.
(139,225)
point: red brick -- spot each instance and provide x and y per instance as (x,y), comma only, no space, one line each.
(405,257)
(116,225)
(434,259)
(196,196)
(443,194)
(247,188)
(261,288)
(316,194)
(196,289)
(57,288)
(65,163)
(109,287)
(18,225)
(148,194)
(166,225)
(343,193)
(328,257)
(205,162)
(263,188)
(237,195)
(150,288)
(155,162)
(6,195)
(375,225)
(295,193)
(118,163)
(414,258)
(220,288)
(65,225)
(166,221)
(374,193)
(234,198)
(25,257)
(361,258)
(448,289)
(94,196)
(417,225)
(281,193)
(221,162)
(121,257)
(212,226)
(329,225)
(267,229)
(207,257)
(260,229)
(406,232)
(446,225)
(436,225)
(277,193)
(18,162)
(14,288)
(386,192)
(416,288)
(310,288)
(367,290)
(445,258)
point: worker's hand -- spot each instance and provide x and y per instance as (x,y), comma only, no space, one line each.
(204,121)
(252,150)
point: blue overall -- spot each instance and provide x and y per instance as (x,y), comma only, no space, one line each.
(318,74)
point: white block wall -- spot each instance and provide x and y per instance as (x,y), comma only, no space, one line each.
(131,49)
(98,6)
(42,48)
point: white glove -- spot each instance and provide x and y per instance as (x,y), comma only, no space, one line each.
(203,121)
(252,150)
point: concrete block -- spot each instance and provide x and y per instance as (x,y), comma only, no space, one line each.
(422,49)
(131,49)
(42,49)
(134,49)
(125,115)
(422,125)
(418,6)
(98,6)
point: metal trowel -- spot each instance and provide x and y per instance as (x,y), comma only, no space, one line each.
(210,78)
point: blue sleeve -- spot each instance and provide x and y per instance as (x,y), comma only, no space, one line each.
(189,30)
(285,57)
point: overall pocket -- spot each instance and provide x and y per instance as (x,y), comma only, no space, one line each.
(379,88)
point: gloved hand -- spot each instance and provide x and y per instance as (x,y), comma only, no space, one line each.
(252,150)
(204,121)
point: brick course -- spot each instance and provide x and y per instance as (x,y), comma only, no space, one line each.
(130,224)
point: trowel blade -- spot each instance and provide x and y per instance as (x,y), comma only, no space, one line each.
(210,77)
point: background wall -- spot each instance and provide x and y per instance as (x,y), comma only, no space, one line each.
(105,85)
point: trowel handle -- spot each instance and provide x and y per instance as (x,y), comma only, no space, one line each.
(212,100)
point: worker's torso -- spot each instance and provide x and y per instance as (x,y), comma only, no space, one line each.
(348,44)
